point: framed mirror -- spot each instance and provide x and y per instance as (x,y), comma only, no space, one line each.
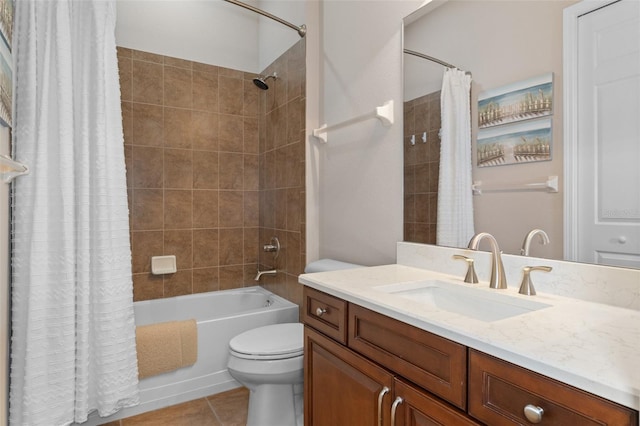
(501,43)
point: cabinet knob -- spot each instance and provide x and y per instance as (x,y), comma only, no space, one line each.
(622,239)
(533,413)
(320,311)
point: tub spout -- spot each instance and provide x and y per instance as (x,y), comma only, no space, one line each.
(269,272)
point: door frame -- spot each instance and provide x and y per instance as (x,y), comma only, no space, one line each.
(570,123)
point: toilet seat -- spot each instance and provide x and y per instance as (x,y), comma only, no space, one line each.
(271,342)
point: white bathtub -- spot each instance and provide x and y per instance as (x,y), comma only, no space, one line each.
(220,316)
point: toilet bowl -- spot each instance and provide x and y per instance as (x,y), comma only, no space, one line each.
(269,362)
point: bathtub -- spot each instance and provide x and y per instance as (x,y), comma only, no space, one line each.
(220,316)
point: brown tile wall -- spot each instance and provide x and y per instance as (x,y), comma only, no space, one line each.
(215,168)
(192,150)
(421,168)
(282,172)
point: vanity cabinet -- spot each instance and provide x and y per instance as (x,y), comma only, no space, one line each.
(344,386)
(363,368)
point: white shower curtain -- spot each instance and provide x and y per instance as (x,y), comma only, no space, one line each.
(73,341)
(455,203)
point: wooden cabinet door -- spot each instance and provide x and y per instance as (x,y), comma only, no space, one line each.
(342,388)
(416,407)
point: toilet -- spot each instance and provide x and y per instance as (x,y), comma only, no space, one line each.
(269,362)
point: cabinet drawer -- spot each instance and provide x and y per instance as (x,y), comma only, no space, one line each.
(432,362)
(325,313)
(499,392)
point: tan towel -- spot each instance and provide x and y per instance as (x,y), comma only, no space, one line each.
(166,346)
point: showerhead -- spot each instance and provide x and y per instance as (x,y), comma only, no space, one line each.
(261,82)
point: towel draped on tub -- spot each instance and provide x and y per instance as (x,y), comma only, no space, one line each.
(166,346)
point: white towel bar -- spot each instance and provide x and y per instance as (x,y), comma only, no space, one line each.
(384,113)
(549,185)
(10,169)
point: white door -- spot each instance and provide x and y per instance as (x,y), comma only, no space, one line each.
(608,143)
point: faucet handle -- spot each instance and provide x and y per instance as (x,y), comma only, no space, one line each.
(526,287)
(471,276)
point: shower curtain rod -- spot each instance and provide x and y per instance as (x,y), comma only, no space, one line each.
(432,59)
(429,58)
(302,29)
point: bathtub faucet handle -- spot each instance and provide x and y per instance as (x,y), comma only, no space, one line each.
(272,247)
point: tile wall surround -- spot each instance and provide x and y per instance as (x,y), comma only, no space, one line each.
(593,283)
(282,172)
(421,168)
(193,148)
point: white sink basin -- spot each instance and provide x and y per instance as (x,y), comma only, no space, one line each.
(471,302)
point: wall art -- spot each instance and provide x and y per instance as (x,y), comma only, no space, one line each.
(517,143)
(524,100)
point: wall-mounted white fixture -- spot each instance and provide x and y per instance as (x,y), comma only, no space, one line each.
(163,265)
(550,184)
(10,169)
(384,113)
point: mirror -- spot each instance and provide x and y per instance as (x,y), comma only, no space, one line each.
(499,43)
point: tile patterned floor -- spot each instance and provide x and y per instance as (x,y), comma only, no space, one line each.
(223,409)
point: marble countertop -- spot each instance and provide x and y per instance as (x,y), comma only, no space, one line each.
(591,346)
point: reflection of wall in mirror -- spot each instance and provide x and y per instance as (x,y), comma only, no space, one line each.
(528,43)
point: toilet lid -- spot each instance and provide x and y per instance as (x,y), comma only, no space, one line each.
(275,341)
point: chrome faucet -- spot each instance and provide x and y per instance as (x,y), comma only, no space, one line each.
(272,247)
(498,279)
(544,239)
(269,272)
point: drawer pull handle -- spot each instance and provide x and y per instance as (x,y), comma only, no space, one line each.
(383,392)
(320,311)
(394,408)
(533,413)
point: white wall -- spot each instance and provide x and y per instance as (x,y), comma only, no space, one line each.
(360,169)
(212,32)
(4,285)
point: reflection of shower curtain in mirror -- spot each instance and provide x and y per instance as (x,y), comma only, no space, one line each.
(73,343)
(455,203)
